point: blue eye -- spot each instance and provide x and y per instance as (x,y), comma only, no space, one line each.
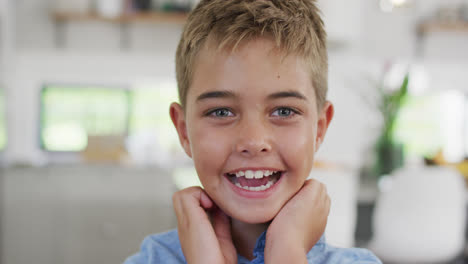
(221,112)
(284,112)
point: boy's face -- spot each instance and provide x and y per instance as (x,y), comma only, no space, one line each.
(251,113)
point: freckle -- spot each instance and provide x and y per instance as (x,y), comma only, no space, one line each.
(278,76)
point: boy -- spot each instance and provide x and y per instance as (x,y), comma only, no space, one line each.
(252,77)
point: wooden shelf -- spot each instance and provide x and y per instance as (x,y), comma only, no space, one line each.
(147,17)
(63,18)
(436,26)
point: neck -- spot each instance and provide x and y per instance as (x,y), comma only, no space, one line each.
(245,235)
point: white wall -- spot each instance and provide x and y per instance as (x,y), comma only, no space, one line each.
(93,56)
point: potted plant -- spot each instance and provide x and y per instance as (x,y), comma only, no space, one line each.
(389,152)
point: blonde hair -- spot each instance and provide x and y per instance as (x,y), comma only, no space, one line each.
(294,25)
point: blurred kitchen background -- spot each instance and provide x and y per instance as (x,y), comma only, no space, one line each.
(89,157)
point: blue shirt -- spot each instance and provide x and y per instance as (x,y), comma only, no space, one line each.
(165,248)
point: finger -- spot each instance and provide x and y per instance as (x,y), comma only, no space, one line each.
(177,204)
(182,197)
(205,200)
(315,185)
(312,190)
(188,205)
(193,198)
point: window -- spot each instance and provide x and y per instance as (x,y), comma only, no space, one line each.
(418,125)
(69,114)
(432,123)
(152,138)
(150,114)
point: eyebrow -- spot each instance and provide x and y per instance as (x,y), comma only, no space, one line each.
(228,94)
(216,94)
(287,94)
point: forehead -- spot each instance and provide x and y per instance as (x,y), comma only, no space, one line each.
(254,68)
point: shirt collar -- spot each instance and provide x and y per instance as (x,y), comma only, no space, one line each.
(259,248)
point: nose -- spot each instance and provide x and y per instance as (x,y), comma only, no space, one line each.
(254,138)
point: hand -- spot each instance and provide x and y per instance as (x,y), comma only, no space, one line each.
(299,225)
(203,240)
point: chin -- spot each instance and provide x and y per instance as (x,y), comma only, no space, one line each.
(255,216)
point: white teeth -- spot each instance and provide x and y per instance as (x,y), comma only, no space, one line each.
(258,174)
(249,174)
(239,174)
(257,188)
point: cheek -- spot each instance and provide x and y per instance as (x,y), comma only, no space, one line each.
(209,149)
(297,148)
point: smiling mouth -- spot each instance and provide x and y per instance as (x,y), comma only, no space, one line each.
(256,181)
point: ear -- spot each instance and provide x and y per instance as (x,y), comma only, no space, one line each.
(178,119)
(325,117)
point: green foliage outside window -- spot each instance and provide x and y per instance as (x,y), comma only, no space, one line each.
(150,113)
(418,125)
(70,114)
